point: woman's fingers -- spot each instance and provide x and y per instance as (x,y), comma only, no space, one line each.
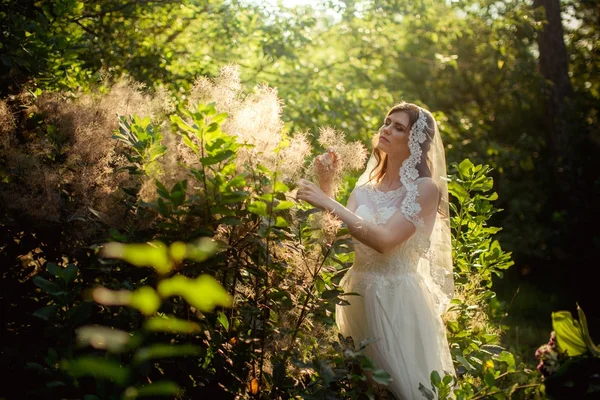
(304,189)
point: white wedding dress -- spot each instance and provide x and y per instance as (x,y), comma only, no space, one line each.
(396,305)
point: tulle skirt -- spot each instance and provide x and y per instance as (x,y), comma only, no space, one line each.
(398,312)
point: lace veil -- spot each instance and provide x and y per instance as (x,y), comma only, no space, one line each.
(435,264)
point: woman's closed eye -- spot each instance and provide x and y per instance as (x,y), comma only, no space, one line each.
(398,127)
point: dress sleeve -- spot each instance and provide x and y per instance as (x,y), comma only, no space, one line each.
(419,205)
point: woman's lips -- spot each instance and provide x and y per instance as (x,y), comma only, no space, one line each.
(384,139)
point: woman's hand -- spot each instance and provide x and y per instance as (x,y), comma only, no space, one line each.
(327,166)
(327,163)
(312,194)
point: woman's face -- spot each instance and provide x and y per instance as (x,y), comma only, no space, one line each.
(393,135)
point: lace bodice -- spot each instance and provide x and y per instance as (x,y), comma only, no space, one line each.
(378,207)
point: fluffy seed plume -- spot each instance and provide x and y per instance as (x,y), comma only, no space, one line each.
(68,167)
(255,119)
(351,156)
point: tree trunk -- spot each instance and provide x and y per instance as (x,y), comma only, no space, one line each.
(554,67)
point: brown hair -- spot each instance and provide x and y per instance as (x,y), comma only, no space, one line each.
(413,114)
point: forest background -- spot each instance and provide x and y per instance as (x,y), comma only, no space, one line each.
(513,84)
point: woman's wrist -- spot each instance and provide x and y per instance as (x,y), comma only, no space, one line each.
(330,205)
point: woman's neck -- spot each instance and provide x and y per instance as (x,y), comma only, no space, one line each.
(391,179)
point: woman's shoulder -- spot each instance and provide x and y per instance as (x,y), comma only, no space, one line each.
(425,180)
(363,187)
(427,185)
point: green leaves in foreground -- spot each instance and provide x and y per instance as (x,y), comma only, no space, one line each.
(572,336)
(159,256)
(204,293)
(96,367)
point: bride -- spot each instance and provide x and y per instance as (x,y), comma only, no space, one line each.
(398,213)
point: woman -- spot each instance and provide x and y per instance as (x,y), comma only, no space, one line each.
(398,213)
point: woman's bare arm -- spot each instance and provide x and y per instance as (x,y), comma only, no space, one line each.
(382,238)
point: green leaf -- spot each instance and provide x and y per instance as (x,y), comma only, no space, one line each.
(178,251)
(53,269)
(146,300)
(222,318)
(381,377)
(162,350)
(178,196)
(204,292)
(489,378)
(160,388)
(212,128)
(509,359)
(284,205)
(268,197)
(258,207)
(568,332)
(162,190)
(435,378)
(330,294)
(429,395)
(47,286)
(219,118)
(46,313)
(458,191)
(280,187)
(69,273)
(465,363)
(171,324)
(280,222)
(217,158)
(238,181)
(99,368)
(447,380)
(586,334)
(153,254)
(465,168)
(234,197)
(181,124)
(189,143)
(155,151)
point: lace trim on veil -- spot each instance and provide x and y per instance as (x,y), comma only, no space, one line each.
(409,173)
